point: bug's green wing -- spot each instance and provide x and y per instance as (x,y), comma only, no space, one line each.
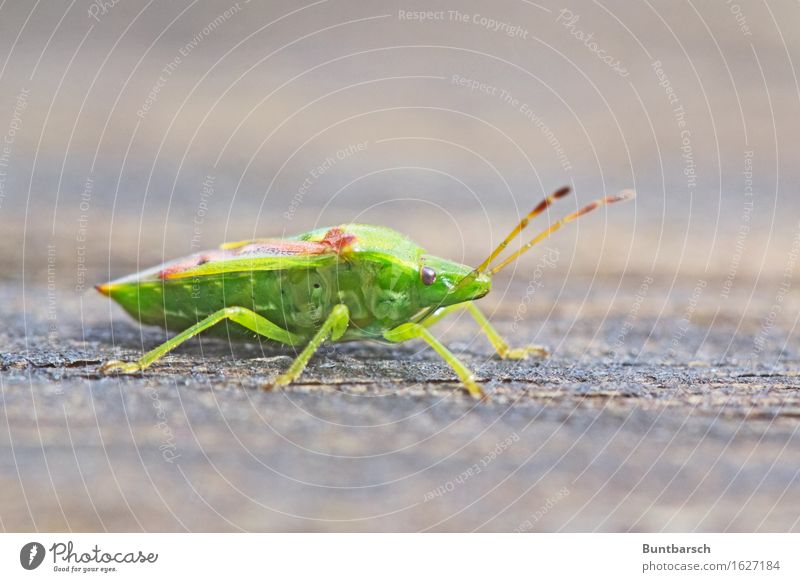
(256,263)
(256,255)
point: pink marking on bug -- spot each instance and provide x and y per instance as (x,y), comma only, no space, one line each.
(338,240)
(193,261)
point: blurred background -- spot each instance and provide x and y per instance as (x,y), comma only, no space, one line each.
(466,115)
(132,132)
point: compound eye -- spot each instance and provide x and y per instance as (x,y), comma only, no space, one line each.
(427,275)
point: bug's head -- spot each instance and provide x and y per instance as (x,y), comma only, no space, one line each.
(443,282)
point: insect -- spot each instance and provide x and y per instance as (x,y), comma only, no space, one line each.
(350,282)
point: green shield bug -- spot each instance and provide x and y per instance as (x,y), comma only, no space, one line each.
(350,282)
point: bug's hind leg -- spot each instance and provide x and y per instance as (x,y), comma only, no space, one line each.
(407,331)
(241,315)
(500,345)
(333,327)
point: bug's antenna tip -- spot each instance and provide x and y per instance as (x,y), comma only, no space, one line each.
(626,195)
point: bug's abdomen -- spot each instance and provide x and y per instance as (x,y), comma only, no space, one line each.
(298,300)
(294,300)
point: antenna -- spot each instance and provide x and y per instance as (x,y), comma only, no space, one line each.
(541,207)
(622,196)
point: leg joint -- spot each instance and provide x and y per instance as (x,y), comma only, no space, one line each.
(235,310)
(340,310)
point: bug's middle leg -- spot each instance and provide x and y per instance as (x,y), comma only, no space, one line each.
(407,331)
(333,328)
(500,345)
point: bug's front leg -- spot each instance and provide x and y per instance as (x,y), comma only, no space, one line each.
(500,345)
(333,328)
(407,331)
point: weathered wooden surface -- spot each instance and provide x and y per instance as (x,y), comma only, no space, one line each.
(380,438)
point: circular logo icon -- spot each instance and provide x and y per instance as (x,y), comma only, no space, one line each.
(31,555)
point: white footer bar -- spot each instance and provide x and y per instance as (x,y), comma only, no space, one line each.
(400,557)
